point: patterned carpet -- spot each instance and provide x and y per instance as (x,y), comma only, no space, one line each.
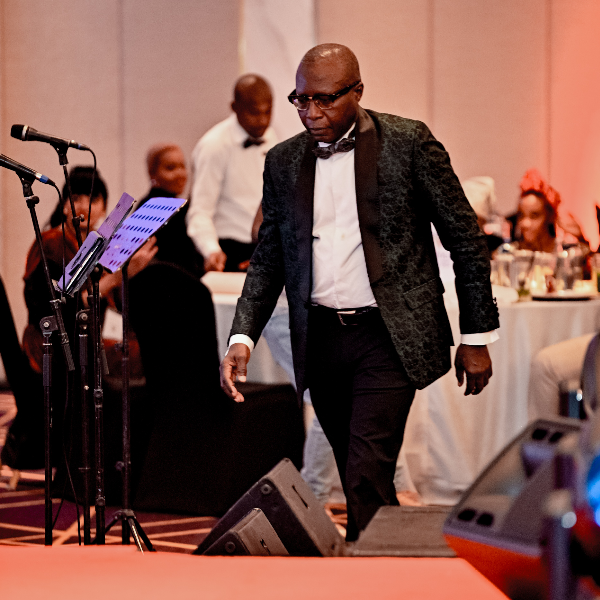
(22,511)
(22,523)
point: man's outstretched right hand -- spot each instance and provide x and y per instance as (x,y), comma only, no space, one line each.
(216,261)
(234,367)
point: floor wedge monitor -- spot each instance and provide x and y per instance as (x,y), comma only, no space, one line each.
(497,524)
(405,531)
(298,518)
(252,536)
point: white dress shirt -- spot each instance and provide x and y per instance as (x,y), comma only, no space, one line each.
(340,278)
(226,185)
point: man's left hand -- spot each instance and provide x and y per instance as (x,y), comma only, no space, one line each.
(475,362)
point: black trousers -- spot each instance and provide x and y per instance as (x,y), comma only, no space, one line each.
(361,396)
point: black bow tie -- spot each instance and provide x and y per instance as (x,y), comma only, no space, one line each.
(252,141)
(344,145)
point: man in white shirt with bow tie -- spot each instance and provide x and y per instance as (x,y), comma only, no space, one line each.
(347,230)
(227,167)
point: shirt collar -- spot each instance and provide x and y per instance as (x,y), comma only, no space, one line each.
(238,133)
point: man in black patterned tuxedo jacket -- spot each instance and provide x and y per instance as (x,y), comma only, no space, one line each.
(347,230)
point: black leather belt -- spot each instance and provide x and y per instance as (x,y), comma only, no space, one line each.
(347,316)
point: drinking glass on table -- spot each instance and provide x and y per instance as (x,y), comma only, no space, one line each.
(563,275)
(541,271)
(577,260)
(520,272)
(501,270)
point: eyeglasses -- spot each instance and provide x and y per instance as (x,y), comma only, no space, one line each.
(323,101)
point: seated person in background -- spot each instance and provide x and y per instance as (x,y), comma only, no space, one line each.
(481,194)
(168,178)
(227,168)
(29,422)
(537,216)
(36,291)
(562,362)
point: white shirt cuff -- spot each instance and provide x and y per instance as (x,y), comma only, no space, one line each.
(240,338)
(479,339)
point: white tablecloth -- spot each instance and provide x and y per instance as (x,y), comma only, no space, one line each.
(262,368)
(226,289)
(450,438)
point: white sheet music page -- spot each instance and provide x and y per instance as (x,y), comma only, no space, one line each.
(137,228)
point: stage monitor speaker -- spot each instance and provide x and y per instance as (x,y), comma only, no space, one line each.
(405,531)
(291,508)
(253,536)
(497,524)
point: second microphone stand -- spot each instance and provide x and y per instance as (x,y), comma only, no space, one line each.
(126,516)
(100,498)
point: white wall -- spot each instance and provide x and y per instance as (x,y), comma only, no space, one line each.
(276,34)
(575,107)
(505,84)
(117,75)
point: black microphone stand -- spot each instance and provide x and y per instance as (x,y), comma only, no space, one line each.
(61,150)
(83,319)
(48,325)
(129,522)
(100,499)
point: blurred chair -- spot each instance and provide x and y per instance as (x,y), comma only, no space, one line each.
(26,434)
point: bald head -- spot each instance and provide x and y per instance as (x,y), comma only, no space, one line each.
(250,86)
(252,103)
(329,70)
(336,54)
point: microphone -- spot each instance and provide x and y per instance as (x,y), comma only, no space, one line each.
(29,134)
(23,171)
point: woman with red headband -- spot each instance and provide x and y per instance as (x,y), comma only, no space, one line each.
(537,216)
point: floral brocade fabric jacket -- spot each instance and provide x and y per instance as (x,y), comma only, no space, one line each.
(404,182)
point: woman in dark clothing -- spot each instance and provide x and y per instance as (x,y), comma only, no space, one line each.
(168,177)
(172,315)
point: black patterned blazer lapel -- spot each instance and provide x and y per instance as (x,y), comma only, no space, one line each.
(303,203)
(367,197)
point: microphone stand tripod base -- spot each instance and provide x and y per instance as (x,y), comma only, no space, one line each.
(126,516)
(128,519)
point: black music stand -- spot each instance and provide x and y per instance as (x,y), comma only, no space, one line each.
(126,239)
(83,265)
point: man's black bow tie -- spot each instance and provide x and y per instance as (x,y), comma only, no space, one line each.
(344,145)
(252,141)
